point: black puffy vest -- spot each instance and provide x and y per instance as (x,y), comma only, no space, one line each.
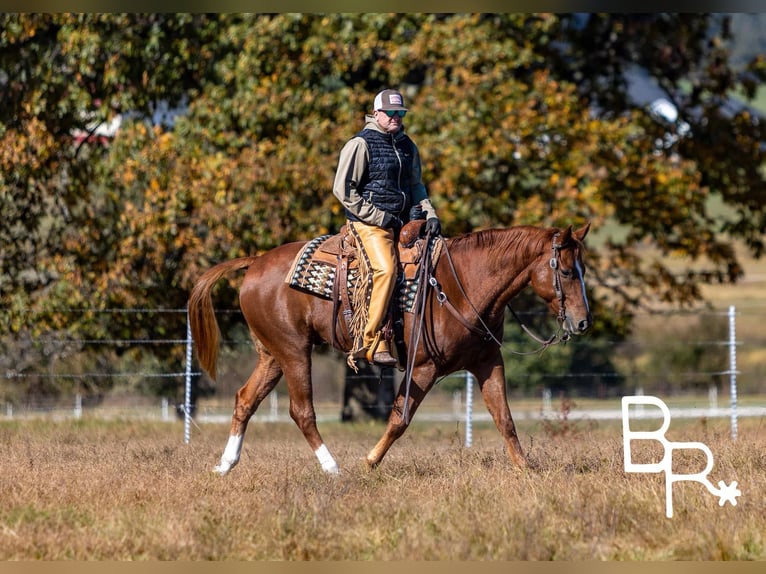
(387,184)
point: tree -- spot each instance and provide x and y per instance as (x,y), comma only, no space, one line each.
(521,118)
(60,73)
(661,195)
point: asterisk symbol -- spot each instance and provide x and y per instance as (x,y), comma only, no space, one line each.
(729,493)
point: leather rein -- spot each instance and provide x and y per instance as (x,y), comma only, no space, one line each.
(485,332)
(428,280)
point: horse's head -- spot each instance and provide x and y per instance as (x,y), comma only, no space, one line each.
(559,279)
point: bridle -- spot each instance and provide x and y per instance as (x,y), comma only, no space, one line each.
(554,263)
(561,335)
(427,280)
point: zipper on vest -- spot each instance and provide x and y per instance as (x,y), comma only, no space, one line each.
(399,177)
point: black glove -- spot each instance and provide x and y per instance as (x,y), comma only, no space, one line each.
(417,213)
(392,222)
(433,226)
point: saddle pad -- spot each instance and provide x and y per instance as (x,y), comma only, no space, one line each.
(316,276)
(309,274)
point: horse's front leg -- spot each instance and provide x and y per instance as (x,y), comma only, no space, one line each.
(491,380)
(421,383)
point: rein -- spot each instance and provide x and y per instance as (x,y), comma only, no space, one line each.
(425,272)
(487,334)
(420,314)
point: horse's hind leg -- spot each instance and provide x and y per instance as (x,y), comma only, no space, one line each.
(491,381)
(261,382)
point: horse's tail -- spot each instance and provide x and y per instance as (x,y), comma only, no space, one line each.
(204,326)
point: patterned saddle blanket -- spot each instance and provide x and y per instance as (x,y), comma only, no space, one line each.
(316,265)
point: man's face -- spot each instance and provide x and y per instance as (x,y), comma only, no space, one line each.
(390,123)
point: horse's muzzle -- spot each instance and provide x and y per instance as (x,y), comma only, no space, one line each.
(577,327)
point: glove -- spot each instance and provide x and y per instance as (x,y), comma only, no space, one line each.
(433,226)
(417,213)
(392,222)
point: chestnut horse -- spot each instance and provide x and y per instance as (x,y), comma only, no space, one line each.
(474,279)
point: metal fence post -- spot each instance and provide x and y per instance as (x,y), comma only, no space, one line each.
(187,394)
(733,369)
(468,409)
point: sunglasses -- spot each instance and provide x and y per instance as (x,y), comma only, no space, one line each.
(392,113)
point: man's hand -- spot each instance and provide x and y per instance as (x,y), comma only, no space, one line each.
(416,212)
(433,226)
(392,222)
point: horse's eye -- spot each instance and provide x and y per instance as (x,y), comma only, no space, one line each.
(566,273)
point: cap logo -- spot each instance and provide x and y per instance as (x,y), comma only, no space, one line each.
(395,99)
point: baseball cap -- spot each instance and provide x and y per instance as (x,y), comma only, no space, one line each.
(389,100)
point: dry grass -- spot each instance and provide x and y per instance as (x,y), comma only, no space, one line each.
(128,490)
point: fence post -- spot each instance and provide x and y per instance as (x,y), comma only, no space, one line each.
(457,402)
(712,397)
(733,369)
(78,406)
(468,409)
(274,406)
(187,393)
(547,404)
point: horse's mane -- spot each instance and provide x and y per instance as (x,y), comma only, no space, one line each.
(516,240)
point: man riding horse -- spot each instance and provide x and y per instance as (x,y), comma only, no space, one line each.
(378,182)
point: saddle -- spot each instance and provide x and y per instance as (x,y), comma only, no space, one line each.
(329,267)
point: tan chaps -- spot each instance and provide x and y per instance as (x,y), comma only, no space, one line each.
(378,244)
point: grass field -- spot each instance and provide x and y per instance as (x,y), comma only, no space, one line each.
(122,490)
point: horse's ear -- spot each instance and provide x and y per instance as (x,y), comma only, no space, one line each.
(566,236)
(582,232)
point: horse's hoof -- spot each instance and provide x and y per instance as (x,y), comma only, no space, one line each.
(222,469)
(333,469)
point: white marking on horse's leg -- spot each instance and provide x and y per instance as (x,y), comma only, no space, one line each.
(326,460)
(230,456)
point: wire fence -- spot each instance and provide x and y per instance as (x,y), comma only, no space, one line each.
(450,407)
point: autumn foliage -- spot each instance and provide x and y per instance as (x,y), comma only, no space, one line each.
(520,118)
